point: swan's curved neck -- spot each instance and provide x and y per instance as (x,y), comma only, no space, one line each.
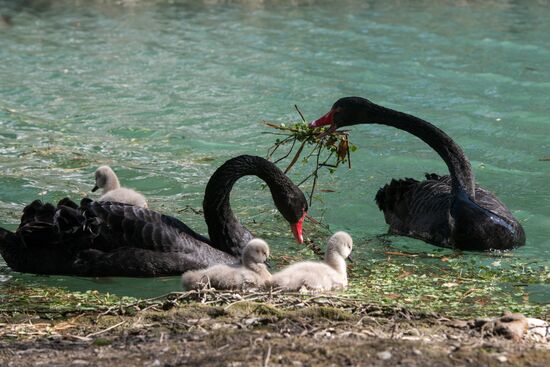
(111,183)
(225,231)
(457,162)
(336,261)
(260,269)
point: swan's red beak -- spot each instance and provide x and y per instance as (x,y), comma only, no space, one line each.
(297,229)
(326,119)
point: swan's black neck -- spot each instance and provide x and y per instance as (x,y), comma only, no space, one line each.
(225,231)
(457,162)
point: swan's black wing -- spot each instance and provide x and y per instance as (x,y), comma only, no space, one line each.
(37,246)
(417,209)
(105,238)
(121,225)
(427,210)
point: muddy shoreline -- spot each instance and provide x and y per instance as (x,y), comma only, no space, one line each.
(261,329)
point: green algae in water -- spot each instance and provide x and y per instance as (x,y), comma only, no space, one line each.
(457,288)
(20,298)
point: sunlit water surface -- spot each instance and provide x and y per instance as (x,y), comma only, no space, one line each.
(166,91)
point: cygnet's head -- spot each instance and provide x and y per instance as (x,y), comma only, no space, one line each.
(106,178)
(256,251)
(341,243)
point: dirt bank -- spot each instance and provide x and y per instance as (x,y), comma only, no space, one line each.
(257,329)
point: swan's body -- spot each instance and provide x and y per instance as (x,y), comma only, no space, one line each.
(250,273)
(106,179)
(318,276)
(114,239)
(449,211)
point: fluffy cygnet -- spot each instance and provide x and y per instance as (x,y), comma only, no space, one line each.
(319,276)
(106,178)
(252,273)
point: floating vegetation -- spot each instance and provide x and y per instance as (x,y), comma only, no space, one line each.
(453,286)
(330,149)
(19,298)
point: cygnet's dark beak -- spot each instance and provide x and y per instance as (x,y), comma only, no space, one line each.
(350,259)
(95,188)
(268,264)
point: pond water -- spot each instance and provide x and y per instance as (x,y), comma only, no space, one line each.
(165,91)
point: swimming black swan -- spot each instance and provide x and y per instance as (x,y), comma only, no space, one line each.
(107,179)
(445,211)
(115,239)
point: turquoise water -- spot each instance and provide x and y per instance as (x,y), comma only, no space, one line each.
(164,92)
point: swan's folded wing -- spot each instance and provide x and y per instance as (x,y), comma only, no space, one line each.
(121,225)
(417,208)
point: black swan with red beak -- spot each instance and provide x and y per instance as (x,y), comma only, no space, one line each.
(448,211)
(115,239)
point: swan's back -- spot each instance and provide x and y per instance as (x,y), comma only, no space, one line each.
(250,273)
(428,210)
(104,239)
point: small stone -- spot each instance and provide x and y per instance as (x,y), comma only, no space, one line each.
(251,321)
(385,355)
(502,359)
(459,324)
(80,362)
(416,352)
(512,326)
(539,329)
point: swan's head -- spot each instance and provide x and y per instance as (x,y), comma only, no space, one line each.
(347,111)
(341,243)
(256,251)
(292,204)
(105,177)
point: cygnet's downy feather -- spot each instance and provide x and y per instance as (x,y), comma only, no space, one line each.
(318,276)
(252,273)
(106,179)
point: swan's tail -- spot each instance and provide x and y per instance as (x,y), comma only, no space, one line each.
(47,238)
(7,238)
(391,197)
(43,224)
(37,212)
(9,246)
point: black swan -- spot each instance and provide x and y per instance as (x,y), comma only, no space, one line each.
(445,211)
(115,239)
